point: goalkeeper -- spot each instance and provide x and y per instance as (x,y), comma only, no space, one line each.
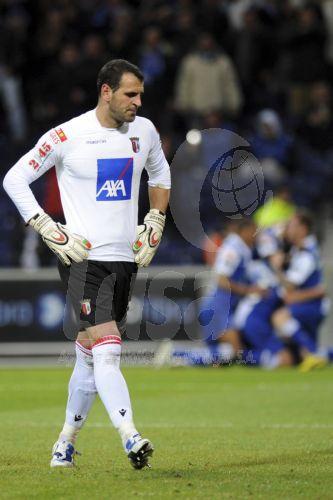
(99,157)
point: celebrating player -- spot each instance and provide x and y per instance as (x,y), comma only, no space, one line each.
(99,157)
(232,284)
(299,320)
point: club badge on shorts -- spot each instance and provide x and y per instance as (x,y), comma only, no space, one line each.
(85,306)
(135,144)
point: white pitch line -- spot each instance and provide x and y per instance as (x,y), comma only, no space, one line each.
(162,425)
(225,425)
(297,426)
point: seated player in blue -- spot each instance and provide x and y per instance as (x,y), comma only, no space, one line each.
(252,318)
(253,315)
(230,285)
(297,322)
(270,241)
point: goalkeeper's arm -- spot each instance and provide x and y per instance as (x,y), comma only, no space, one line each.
(31,166)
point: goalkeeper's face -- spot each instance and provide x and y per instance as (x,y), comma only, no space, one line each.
(126,100)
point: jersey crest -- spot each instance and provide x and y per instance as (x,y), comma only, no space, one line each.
(135,144)
(114,179)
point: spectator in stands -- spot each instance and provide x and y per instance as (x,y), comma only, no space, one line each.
(255,47)
(236,10)
(273,147)
(13,104)
(314,152)
(303,291)
(213,19)
(55,105)
(153,59)
(49,36)
(93,57)
(207,81)
(13,54)
(303,48)
(327,8)
(185,24)
(124,32)
(316,129)
(120,44)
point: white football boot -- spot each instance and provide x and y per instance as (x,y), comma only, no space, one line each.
(63,453)
(138,451)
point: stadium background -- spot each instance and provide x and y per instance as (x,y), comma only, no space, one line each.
(269,82)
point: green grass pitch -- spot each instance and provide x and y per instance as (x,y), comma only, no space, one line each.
(218,433)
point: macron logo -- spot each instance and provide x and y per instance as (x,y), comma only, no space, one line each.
(114,179)
(111,189)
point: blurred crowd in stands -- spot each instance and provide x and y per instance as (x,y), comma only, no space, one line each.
(261,69)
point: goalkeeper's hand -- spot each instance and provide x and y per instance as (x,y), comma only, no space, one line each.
(148,237)
(67,247)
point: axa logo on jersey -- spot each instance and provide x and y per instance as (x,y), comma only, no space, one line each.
(114,179)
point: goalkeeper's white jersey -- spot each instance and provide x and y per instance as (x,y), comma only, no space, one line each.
(98,171)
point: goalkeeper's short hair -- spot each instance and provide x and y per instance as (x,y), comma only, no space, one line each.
(112,72)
